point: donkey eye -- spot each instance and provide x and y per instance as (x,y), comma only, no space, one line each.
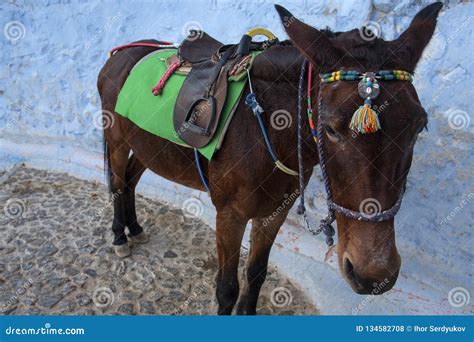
(331,132)
(422,125)
(422,128)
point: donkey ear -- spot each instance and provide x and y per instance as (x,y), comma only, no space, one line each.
(314,44)
(413,41)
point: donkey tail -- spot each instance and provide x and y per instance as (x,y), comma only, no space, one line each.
(107,168)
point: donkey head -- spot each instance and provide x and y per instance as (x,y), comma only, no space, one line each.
(367,172)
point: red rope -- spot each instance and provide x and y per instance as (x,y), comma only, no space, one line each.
(312,114)
(310,79)
(161,83)
(159,45)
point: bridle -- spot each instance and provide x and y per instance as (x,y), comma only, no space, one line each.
(364,121)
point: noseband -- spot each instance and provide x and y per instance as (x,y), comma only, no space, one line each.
(365,120)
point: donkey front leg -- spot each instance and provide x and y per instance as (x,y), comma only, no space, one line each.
(230,229)
(262,236)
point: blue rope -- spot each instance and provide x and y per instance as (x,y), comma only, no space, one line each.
(202,175)
(251,101)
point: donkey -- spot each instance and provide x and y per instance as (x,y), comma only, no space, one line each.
(245,185)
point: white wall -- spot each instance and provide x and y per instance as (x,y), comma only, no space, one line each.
(48,103)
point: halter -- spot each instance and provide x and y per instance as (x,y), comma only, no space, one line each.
(364,121)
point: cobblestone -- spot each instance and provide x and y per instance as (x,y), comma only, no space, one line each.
(56,258)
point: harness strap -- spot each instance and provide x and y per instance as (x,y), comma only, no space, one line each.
(252,103)
(325,224)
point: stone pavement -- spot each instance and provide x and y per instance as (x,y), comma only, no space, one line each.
(56,255)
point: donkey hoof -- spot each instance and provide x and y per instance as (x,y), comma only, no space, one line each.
(140,238)
(123,251)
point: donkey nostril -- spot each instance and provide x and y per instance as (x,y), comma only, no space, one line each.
(348,267)
(350,273)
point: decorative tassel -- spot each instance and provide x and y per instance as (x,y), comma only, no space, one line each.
(365,119)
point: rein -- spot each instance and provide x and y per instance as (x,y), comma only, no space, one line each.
(364,120)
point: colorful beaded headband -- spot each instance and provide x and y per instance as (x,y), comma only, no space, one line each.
(365,119)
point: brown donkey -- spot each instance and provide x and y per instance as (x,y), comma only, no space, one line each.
(245,185)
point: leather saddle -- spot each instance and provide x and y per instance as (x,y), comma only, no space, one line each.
(202,97)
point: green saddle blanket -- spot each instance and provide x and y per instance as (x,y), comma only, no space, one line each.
(154,114)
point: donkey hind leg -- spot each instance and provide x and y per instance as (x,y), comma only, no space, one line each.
(230,230)
(262,237)
(118,159)
(134,171)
